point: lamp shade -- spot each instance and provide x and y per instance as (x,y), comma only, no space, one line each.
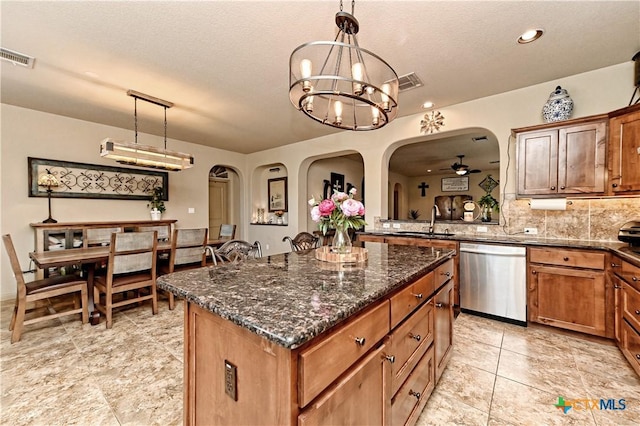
(48,180)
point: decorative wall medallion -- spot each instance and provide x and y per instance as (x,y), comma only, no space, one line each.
(432,121)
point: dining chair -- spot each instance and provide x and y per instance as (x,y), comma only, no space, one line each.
(131,266)
(235,251)
(164,231)
(227,232)
(187,252)
(38,291)
(99,236)
(302,241)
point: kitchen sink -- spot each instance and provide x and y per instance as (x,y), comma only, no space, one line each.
(426,234)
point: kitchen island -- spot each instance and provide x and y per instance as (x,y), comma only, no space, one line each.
(289,339)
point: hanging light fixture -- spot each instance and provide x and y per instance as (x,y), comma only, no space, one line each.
(145,155)
(340,84)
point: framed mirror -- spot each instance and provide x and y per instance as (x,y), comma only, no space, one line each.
(277,193)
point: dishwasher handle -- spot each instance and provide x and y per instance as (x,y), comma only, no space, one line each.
(494,253)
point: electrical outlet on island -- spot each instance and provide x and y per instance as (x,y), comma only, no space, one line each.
(531,231)
(386,225)
(482,229)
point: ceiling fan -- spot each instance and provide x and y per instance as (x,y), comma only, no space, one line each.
(463,169)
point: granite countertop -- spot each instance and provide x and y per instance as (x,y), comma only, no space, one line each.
(291,298)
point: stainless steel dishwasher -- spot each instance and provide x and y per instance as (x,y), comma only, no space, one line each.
(493,281)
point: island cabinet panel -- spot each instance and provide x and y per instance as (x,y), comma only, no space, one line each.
(409,342)
(323,362)
(624,151)
(625,278)
(574,296)
(561,159)
(262,370)
(408,402)
(443,328)
(404,302)
(360,397)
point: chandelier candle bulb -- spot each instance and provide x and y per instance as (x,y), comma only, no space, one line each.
(385,98)
(305,73)
(337,107)
(356,72)
(375,116)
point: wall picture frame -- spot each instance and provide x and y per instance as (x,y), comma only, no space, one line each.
(277,193)
(452,184)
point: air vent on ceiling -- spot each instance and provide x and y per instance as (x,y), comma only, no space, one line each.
(16,58)
(409,81)
(480,139)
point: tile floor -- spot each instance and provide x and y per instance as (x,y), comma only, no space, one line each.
(64,373)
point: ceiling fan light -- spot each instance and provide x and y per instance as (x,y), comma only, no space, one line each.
(461,172)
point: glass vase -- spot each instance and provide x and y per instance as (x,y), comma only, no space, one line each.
(341,242)
(486,214)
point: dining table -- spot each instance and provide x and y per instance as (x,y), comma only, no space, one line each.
(88,257)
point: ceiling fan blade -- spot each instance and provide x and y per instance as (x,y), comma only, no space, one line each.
(474,171)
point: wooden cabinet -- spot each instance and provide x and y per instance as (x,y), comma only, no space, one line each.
(567,289)
(562,159)
(360,397)
(624,151)
(443,326)
(626,280)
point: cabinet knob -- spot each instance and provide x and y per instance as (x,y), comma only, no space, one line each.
(533,272)
(417,337)
(637,311)
(615,185)
(553,188)
(565,259)
(562,187)
(390,358)
(637,356)
(617,286)
(634,278)
(360,341)
(418,296)
(418,394)
(439,305)
(614,265)
(446,273)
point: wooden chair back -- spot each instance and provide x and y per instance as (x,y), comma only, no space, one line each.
(187,247)
(15,265)
(164,231)
(302,241)
(133,252)
(227,231)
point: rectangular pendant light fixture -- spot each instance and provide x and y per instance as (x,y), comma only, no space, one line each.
(145,155)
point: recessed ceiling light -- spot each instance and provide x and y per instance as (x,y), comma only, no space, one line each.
(428,170)
(428,105)
(530,35)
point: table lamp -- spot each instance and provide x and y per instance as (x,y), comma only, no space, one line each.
(48,181)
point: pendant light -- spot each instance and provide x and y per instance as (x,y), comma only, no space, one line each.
(340,84)
(145,155)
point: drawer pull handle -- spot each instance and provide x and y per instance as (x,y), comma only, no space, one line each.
(615,185)
(565,259)
(446,273)
(637,311)
(418,296)
(439,305)
(418,394)
(562,187)
(615,265)
(637,356)
(634,278)
(360,341)
(617,286)
(553,188)
(390,358)
(417,337)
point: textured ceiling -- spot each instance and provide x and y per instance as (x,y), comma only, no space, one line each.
(225,63)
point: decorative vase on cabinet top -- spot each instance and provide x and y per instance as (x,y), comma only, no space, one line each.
(559,106)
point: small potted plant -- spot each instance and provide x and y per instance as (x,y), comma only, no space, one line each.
(279,214)
(414,214)
(487,203)
(156,203)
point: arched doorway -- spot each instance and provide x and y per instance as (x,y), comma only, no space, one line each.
(224,199)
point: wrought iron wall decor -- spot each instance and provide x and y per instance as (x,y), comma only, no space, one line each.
(81,180)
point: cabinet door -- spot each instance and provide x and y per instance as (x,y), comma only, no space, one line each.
(443,327)
(617,288)
(624,154)
(581,158)
(361,397)
(573,299)
(537,160)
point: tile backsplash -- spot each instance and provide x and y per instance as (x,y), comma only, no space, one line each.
(597,219)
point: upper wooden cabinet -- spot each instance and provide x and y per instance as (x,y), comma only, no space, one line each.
(562,158)
(624,151)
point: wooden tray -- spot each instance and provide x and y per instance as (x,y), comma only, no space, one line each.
(358,254)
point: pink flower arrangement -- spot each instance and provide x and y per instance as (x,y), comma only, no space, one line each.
(339,211)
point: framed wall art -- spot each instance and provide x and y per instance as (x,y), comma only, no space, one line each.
(455,184)
(277,192)
(81,180)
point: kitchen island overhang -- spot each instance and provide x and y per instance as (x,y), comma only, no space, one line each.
(252,327)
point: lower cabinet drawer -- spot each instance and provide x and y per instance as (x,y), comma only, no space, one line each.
(415,391)
(570,258)
(403,303)
(631,305)
(322,363)
(443,273)
(631,345)
(631,274)
(408,343)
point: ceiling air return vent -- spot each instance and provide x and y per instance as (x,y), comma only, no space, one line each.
(409,81)
(16,58)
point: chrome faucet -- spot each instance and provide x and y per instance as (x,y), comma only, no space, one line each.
(435,211)
(211,251)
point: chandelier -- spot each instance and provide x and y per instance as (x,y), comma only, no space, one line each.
(340,84)
(145,155)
